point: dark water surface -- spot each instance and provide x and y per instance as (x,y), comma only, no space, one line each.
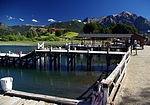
(53,82)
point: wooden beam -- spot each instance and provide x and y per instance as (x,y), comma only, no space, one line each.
(113,75)
(45,98)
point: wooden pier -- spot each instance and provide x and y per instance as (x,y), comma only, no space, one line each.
(53,56)
(109,85)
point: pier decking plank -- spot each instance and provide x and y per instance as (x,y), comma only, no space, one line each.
(41,103)
(8,100)
(30,102)
(80,51)
(20,102)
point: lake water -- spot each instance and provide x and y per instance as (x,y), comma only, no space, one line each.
(53,82)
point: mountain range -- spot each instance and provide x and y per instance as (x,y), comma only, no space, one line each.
(141,23)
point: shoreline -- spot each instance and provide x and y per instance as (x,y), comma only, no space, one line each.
(31,43)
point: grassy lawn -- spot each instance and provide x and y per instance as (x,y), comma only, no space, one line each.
(70,35)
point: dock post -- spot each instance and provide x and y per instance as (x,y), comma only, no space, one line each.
(58,60)
(20,61)
(45,59)
(40,61)
(50,58)
(68,66)
(50,61)
(131,49)
(71,61)
(68,59)
(107,60)
(26,63)
(33,60)
(14,62)
(6,58)
(74,61)
(55,62)
(89,60)
(2,61)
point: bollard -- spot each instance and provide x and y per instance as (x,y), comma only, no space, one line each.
(6,83)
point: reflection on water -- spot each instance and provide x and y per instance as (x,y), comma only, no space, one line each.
(98,63)
(65,84)
(57,82)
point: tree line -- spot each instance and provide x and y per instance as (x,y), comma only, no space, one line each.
(93,28)
(31,35)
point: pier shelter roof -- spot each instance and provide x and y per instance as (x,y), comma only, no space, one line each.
(138,37)
(108,35)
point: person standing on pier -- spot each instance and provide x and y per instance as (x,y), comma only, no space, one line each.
(97,94)
(20,52)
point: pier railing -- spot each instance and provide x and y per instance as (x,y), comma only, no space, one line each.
(111,84)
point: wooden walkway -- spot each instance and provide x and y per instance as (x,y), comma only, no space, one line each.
(135,89)
(7,100)
(23,98)
(45,98)
(11,55)
(80,51)
(63,51)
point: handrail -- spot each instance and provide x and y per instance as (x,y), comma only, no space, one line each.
(114,80)
(113,75)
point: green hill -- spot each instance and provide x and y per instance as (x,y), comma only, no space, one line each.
(24,28)
(74,26)
(4,29)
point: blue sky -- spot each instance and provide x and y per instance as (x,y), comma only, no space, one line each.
(38,12)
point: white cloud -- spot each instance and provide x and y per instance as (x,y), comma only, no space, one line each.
(21,19)
(51,20)
(77,20)
(10,18)
(34,20)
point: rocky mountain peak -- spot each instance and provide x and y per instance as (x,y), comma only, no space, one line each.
(126,13)
(124,17)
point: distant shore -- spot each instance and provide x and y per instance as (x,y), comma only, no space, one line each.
(31,43)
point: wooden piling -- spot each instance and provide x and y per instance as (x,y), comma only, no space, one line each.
(45,59)
(107,60)
(50,61)
(59,60)
(40,61)
(55,62)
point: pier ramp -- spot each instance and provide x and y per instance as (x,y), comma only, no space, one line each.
(135,88)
